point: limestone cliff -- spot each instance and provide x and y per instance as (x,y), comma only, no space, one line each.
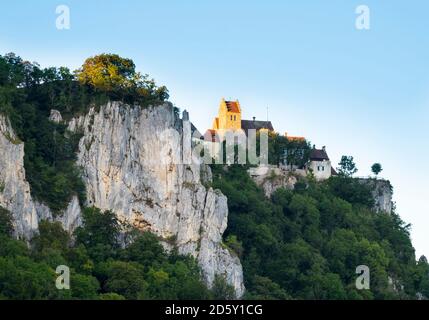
(132,163)
(131,159)
(270,178)
(14,189)
(382,191)
(15,192)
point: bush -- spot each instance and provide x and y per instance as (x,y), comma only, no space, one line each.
(6,226)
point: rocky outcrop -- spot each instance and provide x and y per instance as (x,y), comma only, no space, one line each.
(14,189)
(134,163)
(270,178)
(55,116)
(15,194)
(70,218)
(382,191)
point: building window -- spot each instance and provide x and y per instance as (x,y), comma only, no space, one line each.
(235,118)
(231,118)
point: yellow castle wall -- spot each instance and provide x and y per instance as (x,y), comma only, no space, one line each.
(227,120)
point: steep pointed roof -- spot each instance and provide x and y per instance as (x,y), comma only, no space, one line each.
(318,154)
(232,106)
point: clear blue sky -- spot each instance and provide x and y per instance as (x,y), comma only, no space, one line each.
(360,93)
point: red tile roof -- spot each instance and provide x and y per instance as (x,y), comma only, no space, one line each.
(232,106)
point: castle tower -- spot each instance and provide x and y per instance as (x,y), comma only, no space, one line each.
(229,116)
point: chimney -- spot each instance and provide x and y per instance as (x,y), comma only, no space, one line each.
(314,146)
(254,118)
(324,148)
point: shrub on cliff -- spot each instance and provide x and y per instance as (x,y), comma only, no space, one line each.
(6,226)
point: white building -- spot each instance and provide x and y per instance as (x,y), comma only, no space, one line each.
(320,164)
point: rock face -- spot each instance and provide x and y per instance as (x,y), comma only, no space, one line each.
(14,189)
(15,194)
(55,116)
(270,178)
(133,164)
(382,192)
(70,219)
(136,162)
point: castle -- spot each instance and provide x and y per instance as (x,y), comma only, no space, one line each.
(229,118)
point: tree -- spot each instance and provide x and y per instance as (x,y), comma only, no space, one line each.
(51,236)
(145,250)
(6,226)
(108,72)
(222,290)
(125,279)
(99,233)
(347,167)
(236,246)
(265,289)
(118,77)
(376,168)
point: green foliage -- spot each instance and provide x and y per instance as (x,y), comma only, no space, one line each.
(100,267)
(284,151)
(236,246)
(100,233)
(111,296)
(347,166)
(124,278)
(307,243)
(118,78)
(351,190)
(265,289)
(23,279)
(376,168)
(221,290)
(6,226)
(28,94)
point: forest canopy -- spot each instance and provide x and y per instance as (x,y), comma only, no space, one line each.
(306,243)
